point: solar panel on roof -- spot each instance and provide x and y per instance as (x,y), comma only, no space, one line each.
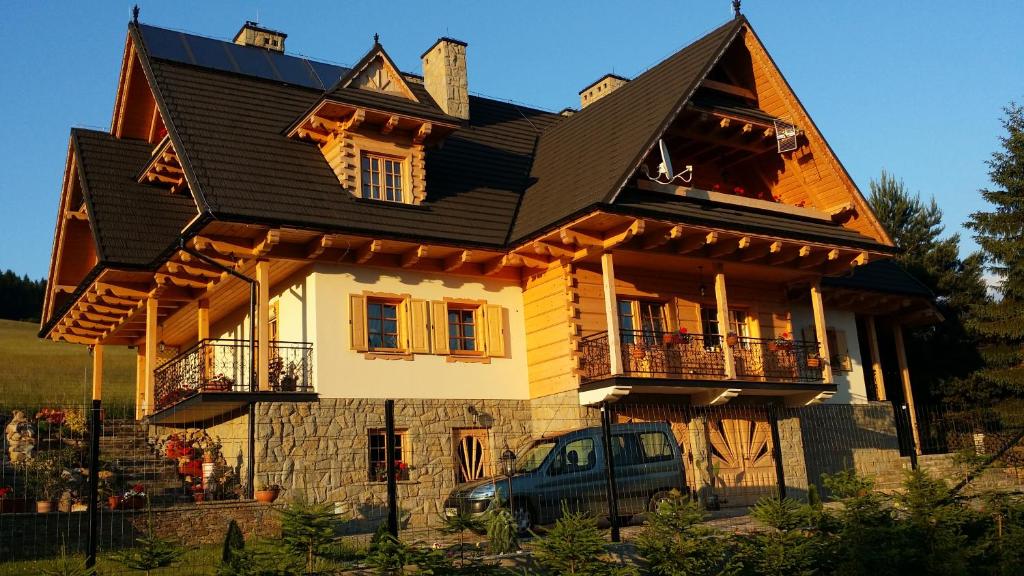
(251,61)
(210,53)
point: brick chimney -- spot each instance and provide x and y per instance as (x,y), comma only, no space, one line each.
(603,87)
(444,76)
(252,34)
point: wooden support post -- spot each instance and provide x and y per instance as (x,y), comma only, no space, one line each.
(722,300)
(263,324)
(97,372)
(821,331)
(876,359)
(152,339)
(611,310)
(908,393)
(140,382)
(203,320)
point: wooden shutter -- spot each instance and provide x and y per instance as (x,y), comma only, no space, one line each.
(842,351)
(439,326)
(419,339)
(495,330)
(357,322)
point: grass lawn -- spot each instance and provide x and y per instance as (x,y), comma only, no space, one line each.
(202,560)
(37,373)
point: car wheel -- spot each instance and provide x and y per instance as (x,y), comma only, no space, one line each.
(657,499)
(524,518)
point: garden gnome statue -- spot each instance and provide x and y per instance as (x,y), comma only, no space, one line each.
(20,441)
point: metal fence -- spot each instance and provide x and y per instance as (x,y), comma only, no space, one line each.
(412,462)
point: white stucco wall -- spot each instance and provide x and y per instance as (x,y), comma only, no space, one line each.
(344,373)
(850,386)
(314,307)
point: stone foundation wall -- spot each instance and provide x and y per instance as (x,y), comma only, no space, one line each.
(791,445)
(320,451)
(836,437)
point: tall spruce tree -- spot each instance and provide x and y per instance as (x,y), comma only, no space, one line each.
(1000,233)
(941,355)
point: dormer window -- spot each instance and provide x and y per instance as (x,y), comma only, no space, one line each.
(382,178)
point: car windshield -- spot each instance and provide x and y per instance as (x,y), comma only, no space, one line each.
(534,457)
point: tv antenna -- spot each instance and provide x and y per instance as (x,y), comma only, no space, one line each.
(665,173)
(786,134)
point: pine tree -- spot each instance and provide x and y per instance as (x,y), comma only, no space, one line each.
(1000,233)
(941,355)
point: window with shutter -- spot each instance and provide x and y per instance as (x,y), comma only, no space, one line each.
(357,322)
(837,347)
(418,327)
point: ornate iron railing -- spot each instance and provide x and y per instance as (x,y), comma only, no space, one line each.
(223,366)
(777,360)
(655,355)
(681,355)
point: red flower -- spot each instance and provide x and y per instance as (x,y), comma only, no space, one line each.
(138,488)
(682,329)
(401,465)
(5,492)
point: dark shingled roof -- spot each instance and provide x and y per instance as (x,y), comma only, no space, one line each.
(584,160)
(133,223)
(886,276)
(231,131)
(505,174)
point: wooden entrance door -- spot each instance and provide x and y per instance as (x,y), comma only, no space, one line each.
(742,458)
(472,454)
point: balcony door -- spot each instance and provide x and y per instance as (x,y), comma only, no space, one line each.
(641,326)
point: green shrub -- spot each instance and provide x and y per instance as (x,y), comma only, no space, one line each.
(674,542)
(150,553)
(847,484)
(67,566)
(791,546)
(308,530)
(934,527)
(234,542)
(502,530)
(575,546)
(387,554)
(460,523)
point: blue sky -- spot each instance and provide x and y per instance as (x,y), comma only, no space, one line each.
(914,87)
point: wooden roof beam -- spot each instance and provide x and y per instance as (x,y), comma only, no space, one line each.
(497,264)
(727,88)
(727,248)
(366,251)
(422,133)
(224,247)
(623,234)
(79,214)
(181,281)
(761,252)
(841,265)
(123,290)
(389,126)
(320,123)
(353,121)
(316,247)
(659,239)
(694,243)
(572,237)
(412,256)
(188,258)
(552,250)
(194,269)
(313,135)
(457,260)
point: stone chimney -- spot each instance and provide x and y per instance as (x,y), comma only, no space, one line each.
(252,34)
(603,87)
(444,76)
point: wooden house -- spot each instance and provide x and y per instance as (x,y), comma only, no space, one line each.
(279,236)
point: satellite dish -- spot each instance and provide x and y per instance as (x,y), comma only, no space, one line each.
(665,173)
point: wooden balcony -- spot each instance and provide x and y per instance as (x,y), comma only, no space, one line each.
(214,377)
(702,357)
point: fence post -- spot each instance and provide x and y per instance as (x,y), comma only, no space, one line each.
(905,409)
(389,449)
(613,493)
(780,469)
(94,477)
(251,472)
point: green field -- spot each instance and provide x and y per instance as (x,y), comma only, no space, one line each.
(35,373)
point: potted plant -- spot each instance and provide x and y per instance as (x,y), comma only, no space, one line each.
(198,495)
(782,342)
(133,498)
(731,339)
(814,361)
(267,493)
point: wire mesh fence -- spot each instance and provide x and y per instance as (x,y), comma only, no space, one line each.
(184,474)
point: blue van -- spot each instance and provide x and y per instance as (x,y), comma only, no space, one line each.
(570,468)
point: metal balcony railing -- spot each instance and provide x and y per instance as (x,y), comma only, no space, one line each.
(680,355)
(223,366)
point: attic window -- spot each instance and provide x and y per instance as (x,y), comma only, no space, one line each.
(382,178)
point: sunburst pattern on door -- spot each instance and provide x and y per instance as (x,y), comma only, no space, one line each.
(741,457)
(470,458)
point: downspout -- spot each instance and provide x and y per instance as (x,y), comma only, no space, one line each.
(253,286)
